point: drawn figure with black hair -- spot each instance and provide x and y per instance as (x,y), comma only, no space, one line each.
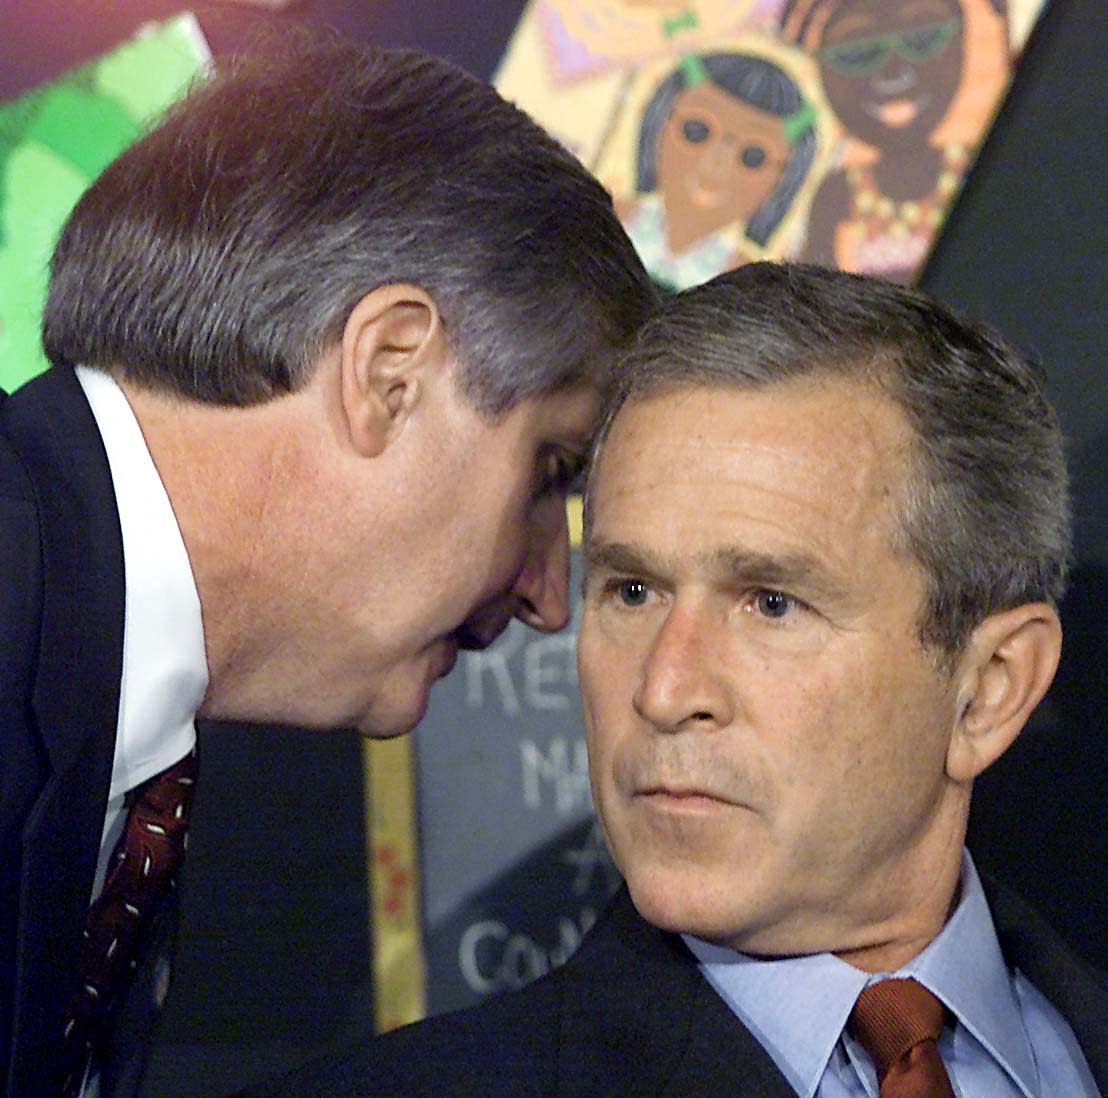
(725,143)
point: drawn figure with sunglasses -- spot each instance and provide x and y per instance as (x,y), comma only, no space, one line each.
(890,70)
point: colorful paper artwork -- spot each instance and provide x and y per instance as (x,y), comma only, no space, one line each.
(586,37)
(54,140)
(834,131)
(715,155)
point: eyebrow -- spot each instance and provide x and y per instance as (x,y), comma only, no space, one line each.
(730,565)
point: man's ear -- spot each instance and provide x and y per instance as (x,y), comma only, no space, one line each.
(392,338)
(1009,662)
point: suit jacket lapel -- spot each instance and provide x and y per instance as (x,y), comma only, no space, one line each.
(666,1032)
(1076,989)
(75,701)
(81,659)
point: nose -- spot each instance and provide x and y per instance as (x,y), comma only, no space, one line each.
(542,587)
(681,684)
(718,160)
(898,76)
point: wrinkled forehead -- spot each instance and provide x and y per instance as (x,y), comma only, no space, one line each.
(820,434)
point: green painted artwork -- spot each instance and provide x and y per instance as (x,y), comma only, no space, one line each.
(54,141)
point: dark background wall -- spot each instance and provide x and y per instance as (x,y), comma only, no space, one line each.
(1026,248)
(275,951)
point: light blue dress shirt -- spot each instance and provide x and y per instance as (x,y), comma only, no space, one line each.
(1009,1042)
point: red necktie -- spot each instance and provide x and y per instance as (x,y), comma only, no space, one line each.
(142,871)
(898,1023)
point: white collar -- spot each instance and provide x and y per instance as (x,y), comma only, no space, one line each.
(165,671)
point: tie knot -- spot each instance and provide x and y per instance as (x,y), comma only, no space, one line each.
(892,1017)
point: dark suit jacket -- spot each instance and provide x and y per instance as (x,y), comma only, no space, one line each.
(61,635)
(630,1014)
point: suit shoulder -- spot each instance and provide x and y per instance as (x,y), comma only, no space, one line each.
(506,1045)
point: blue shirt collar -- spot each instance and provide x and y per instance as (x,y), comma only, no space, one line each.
(963,966)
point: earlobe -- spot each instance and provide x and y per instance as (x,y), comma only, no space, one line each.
(392,336)
(1009,663)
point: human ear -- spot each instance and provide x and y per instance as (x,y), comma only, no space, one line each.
(1009,662)
(391,338)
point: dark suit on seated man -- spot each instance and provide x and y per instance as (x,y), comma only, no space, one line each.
(826,530)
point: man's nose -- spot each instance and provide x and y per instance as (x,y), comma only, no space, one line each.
(682,684)
(542,587)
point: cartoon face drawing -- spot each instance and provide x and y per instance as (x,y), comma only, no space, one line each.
(890,68)
(726,138)
(719,159)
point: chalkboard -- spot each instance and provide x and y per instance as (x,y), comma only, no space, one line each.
(514,869)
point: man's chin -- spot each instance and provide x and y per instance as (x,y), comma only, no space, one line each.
(388,722)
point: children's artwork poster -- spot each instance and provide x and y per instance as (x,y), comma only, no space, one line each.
(830,131)
(54,141)
(714,157)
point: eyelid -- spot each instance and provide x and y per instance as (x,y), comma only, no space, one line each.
(606,585)
(615,581)
(752,594)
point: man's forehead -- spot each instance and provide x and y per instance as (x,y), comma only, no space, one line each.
(840,413)
(816,463)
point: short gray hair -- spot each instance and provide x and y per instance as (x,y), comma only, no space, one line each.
(986,512)
(219,255)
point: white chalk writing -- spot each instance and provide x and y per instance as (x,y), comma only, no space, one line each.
(518,672)
(494,958)
(562,770)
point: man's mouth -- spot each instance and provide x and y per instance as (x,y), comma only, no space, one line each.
(680,798)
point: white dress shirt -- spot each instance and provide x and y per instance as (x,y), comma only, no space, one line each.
(165,670)
(1009,1041)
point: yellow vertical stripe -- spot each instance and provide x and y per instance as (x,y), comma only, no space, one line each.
(575,519)
(398,967)
(399,971)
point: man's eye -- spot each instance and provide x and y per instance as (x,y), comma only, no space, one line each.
(773,604)
(632,592)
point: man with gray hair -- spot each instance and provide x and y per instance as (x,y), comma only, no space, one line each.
(328,346)
(826,533)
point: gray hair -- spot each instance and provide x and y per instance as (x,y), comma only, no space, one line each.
(986,510)
(222,253)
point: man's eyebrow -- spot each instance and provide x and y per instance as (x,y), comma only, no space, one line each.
(617,556)
(776,570)
(733,566)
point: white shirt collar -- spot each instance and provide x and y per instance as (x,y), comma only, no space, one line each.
(165,671)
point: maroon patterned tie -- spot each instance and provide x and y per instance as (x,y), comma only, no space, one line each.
(898,1023)
(142,871)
